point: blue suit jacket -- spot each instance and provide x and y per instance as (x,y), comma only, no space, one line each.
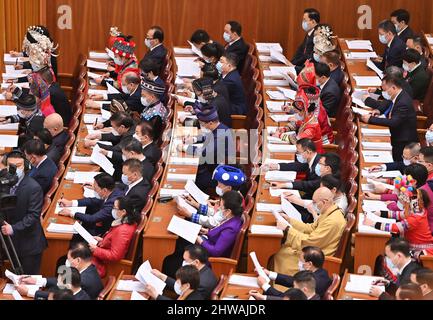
(393,55)
(234,85)
(44,174)
(98,218)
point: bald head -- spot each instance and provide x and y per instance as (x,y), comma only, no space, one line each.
(54,124)
(323,198)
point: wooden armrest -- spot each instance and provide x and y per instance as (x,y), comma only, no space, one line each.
(222,266)
(223,260)
(238,117)
(64,75)
(333,265)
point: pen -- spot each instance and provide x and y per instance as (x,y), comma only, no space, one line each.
(96,122)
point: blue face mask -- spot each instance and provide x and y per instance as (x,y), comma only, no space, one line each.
(382,39)
(386,95)
(397,28)
(317,170)
(227,37)
(305,26)
(219,67)
(316,57)
(125,179)
(301,158)
(429,137)
(390,264)
(20,173)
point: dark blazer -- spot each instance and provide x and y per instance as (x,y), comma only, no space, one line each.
(138,194)
(28,238)
(208,282)
(406,34)
(337,75)
(393,166)
(224,110)
(419,81)
(311,182)
(322,283)
(402,123)
(44,174)
(91,282)
(220,88)
(393,55)
(403,278)
(133,101)
(240,48)
(148,170)
(60,103)
(56,149)
(97,219)
(81,295)
(235,88)
(152,153)
(330,95)
(27,128)
(194,296)
(118,142)
(159,54)
(304,51)
(382,104)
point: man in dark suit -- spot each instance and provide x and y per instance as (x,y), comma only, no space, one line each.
(310,21)
(98,218)
(79,258)
(395,47)
(400,18)
(307,160)
(411,154)
(424,278)
(57,97)
(23,223)
(134,150)
(149,69)
(311,259)
(137,187)
(154,42)
(397,250)
(54,124)
(43,168)
(232,80)
(416,42)
(400,116)
(332,59)
(417,76)
(330,93)
(235,42)
(196,256)
(144,133)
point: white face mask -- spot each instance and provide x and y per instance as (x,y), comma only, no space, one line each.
(125,89)
(148,43)
(67,263)
(135,136)
(316,208)
(382,39)
(118,61)
(429,137)
(301,265)
(219,67)
(406,162)
(397,27)
(115,133)
(177,288)
(184,263)
(20,173)
(96,195)
(145,102)
(305,26)
(114,214)
(316,57)
(406,67)
(227,37)
(386,95)
(125,179)
(124,158)
(205,130)
(301,158)
(219,191)
(202,100)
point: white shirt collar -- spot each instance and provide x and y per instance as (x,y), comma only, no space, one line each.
(393,101)
(399,33)
(156,47)
(75,293)
(324,84)
(407,263)
(310,164)
(132,185)
(389,44)
(43,159)
(234,41)
(147,144)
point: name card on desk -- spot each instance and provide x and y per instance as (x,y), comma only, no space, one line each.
(172,192)
(360,55)
(184,229)
(243,281)
(8,59)
(61,228)
(263,58)
(25,85)
(81,177)
(275,106)
(281,176)
(276,95)
(98,55)
(382,174)
(90,118)
(9,127)
(97,65)
(97,92)
(185,51)
(274,82)
(377,156)
(265,230)
(276,193)
(359,45)
(12,76)
(180,177)
(281,117)
(80,160)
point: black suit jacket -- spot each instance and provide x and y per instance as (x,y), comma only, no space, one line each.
(138,194)
(133,101)
(194,296)
(235,88)
(406,34)
(337,75)
(311,182)
(403,278)
(28,238)
(148,170)
(56,149)
(240,48)
(402,123)
(208,282)
(118,142)
(60,103)
(152,153)
(304,51)
(158,54)
(419,81)
(224,110)
(393,55)
(220,88)
(322,283)
(330,95)
(44,174)
(393,166)
(81,295)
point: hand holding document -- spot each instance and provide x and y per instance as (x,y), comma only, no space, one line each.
(101,160)
(181,202)
(280,219)
(145,276)
(290,210)
(184,229)
(112,90)
(258,267)
(279,57)
(85,234)
(196,193)
(373,67)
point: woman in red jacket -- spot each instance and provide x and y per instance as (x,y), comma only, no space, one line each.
(115,244)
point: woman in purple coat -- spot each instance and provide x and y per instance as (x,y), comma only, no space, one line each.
(219,241)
